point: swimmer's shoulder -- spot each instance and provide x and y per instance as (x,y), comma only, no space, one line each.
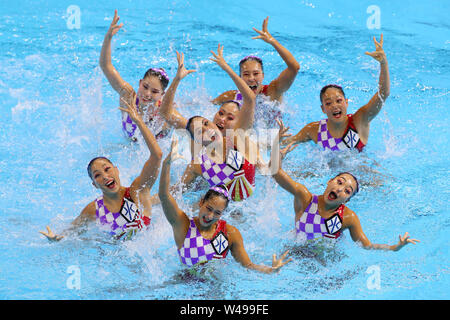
(225,96)
(234,235)
(89,212)
(349,218)
(308,132)
(86,215)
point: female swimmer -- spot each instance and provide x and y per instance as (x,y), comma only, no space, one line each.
(252,72)
(341,131)
(230,160)
(122,211)
(149,94)
(206,236)
(326,215)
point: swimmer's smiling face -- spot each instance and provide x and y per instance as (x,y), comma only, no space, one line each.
(211,210)
(340,189)
(226,117)
(253,75)
(150,90)
(334,104)
(105,176)
(207,130)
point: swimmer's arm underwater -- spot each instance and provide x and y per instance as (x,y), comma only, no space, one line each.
(351,221)
(284,81)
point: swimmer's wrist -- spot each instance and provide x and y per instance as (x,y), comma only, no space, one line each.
(139,121)
(108,35)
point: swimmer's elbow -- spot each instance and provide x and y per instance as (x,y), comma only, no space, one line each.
(385,93)
(158,154)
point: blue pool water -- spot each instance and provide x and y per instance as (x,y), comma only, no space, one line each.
(58,112)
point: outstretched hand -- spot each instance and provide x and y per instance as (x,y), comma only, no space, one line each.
(173,153)
(218,58)
(264,33)
(50,235)
(278,263)
(114,28)
(378,54)
(182,71)
(404,240)
(131,107)
(282,133)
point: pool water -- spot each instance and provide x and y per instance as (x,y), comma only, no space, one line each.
(58,111)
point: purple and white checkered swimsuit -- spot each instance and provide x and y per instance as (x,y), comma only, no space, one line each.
(312,225)
(326,140)
(215,173)
(197,249)
(114,222)
(155,124)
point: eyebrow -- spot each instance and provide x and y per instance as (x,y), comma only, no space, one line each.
(346,181)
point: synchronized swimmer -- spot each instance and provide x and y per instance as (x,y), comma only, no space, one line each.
(122,211)
(148,97)
(226,157)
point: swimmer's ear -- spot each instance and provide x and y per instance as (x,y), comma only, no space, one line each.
(321,107)
(93,183)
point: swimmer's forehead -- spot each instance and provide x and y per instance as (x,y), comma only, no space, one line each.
(100,163)
(152,81)
(217,203)
(332,93)
(251,65)
(349,179)
(230,107)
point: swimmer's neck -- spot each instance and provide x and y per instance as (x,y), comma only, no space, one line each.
(326,207)
(208,229)
(114,197)
(341,125)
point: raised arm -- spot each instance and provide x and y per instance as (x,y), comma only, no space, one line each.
(280,176)
(176,217)
(149,172)
(240,255)
(167,110)
(351,221)
(106,65)
(247,111)
(369,111)
(284,81)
